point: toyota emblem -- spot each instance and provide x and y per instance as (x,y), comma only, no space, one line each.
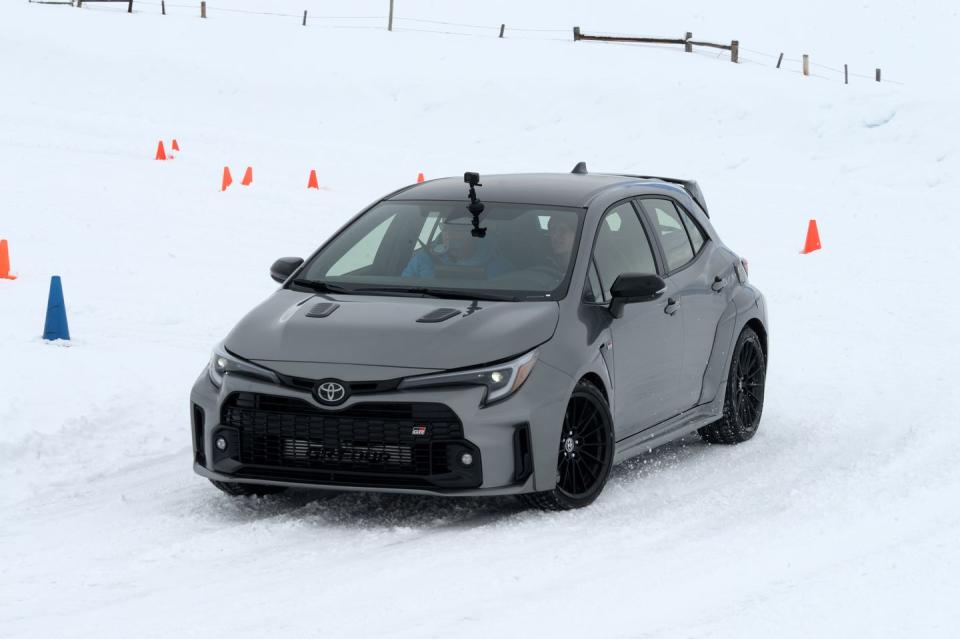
(331,392)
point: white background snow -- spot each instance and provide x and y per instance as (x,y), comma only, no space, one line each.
(840,518)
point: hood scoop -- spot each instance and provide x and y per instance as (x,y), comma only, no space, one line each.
(323,309)
(438,315)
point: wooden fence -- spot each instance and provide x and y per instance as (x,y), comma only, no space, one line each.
(687,42)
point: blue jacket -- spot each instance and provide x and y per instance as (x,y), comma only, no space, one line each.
(421,264)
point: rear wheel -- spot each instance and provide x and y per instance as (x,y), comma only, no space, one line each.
(743,403)
(244,490)
(585,454)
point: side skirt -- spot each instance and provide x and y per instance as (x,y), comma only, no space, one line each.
(669,430)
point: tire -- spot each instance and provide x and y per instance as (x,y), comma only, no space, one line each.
(587,432)
(245,490)
(743,403)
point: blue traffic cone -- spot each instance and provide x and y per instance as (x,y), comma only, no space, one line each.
(56,324)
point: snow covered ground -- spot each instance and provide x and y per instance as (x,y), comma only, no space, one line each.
(840,518)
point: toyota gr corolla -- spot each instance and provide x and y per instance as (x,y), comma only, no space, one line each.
(516,336)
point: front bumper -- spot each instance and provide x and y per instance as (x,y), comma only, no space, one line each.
(280,435)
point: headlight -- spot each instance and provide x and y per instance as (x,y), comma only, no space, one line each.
(501,381)
(222,362)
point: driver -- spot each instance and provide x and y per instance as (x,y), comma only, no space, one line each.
(562,231)
(456,248)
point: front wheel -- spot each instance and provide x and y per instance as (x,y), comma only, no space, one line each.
(585,455)
(743,403)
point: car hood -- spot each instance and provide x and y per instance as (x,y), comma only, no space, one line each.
(367,330)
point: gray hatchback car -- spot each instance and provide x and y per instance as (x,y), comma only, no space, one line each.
(517,336)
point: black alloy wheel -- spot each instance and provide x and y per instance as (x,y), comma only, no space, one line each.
(585,455)
(743,404)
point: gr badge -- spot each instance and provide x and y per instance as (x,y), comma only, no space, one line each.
(419,430)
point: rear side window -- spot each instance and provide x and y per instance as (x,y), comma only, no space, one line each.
(693,230)
(672,231)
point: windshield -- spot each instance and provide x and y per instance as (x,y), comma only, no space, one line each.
(424,247)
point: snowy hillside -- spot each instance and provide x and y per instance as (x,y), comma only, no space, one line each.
(839,518)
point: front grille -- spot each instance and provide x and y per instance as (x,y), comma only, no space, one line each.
(372,439)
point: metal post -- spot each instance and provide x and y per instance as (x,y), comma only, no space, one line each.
(878,75)
(806,64)
(502,27)
(576,33)
(203,8)
(734,51)
(304,17)
(686,45)
(390,21)
(779,60)
(846,75)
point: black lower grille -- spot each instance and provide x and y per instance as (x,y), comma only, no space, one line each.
(404,441)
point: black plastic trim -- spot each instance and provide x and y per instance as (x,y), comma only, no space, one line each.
(522,453)
(198,419)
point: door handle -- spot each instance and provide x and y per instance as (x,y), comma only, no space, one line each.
(718,284)
(673,305)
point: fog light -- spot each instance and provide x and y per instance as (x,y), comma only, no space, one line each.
(221,443)
(466,459)
(496,377)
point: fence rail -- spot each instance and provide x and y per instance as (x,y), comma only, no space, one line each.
(500,31)
(687,42)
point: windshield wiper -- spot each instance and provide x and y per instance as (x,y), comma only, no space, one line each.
(441,293)
(323,287)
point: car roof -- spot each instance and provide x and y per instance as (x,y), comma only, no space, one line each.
(548,189)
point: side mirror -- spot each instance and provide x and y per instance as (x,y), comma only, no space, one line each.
(284,267)
(634,287)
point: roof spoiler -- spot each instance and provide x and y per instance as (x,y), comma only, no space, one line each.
(690,186)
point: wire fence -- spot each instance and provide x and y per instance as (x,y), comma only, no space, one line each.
(493,31)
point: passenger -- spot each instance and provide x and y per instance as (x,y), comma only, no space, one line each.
(457,248)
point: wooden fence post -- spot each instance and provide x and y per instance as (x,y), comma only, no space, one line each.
(846,75)
(203,8)
(576,33)
(502,27)
(304,17)
(806,64)
(686,45)
(734,51)
(878,75)
(163,7)
(390,19)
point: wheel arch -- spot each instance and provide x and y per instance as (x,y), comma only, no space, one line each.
(594,379)
(757,326)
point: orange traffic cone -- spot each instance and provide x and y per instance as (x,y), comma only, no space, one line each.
(419,178)
(312,183)
(161,153)
(5,262)
(227,179)
(174,146)
(813,238)
(247,177)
